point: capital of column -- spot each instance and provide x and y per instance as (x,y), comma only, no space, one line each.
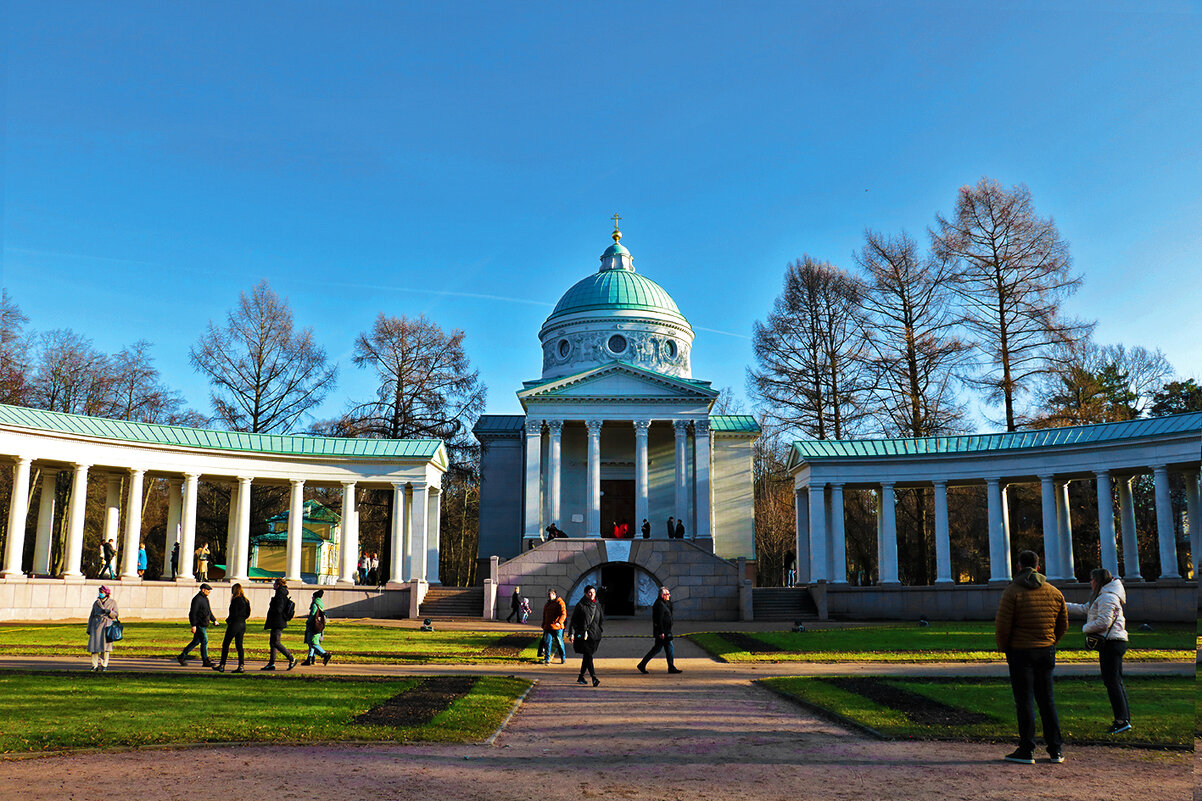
(992,482)
(1046,477)
(641,427)
(555,426)
(297,482)
(1101,473)
(1160,470)
(701,428)
(420,486)
(80,466)
(191,476)
(682,428)
(887,485)
(245,480)
(22,460)
(348,484)
(594,425)
(942,482)
(533,428)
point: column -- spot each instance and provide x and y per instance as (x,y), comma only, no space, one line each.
(1165,534)
(76,507)
(18,515)
(886,535)
(433,535)
(1130,539)
(241,554)
(1064,527)
(174,510)
(534,477)
(296,530)
(943,541)
(133,526)
(1050,506)
(999,544)
(593,519)
(818,563)
(112,517)
(705,502)
(641,427)
(348,553)
(41,545)
(396,560)
(187,536)
(419,515)
(801,512)
(555,471)
(231,531)
(838,555)
(1109,553)
(681,428)
(1191,514)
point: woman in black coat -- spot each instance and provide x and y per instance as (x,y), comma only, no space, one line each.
(279,612)
(235,628)
(588,622)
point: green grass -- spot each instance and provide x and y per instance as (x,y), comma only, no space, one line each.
(940,642)
(349,642)
(1162,708)
(56,711)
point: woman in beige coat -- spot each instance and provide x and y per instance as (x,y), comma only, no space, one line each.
(103,615)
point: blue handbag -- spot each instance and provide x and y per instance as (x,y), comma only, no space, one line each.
(114,632)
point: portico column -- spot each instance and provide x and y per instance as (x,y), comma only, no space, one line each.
(396,560)
(593,528)
(1130,538)
(1165,534)
(296,530)
(241,558)
(999,540)
(76,507)
(419,515)
(41,545)
(348,553)
(231,531)
(555,471)
(133,526)
(838,555)
(641,428)
(433,535)
(701,448)
(1050,506)
(681,428)
(818,564)
(18,515)
(801,513)
(1064,528)
(1108,551)
(534,477)
(112,516)
(886,535)
(1191,514)
(174,509)
(943,544)
(188,528)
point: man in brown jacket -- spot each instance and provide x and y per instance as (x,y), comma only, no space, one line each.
(555,614)
(1031,619)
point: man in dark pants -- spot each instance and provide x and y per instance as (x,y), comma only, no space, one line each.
(680,529)
(1031,619)
(199,616)
(515,605)
(671,528)
(279,611)
(174,560)
(661,629)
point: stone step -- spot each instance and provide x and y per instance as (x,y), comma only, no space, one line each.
(453,602)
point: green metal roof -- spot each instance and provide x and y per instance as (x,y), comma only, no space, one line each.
(1013,440)
(734,423)
(616,249)
(616,290)
(155,434)
(314,511)
(307,535)
(499,423)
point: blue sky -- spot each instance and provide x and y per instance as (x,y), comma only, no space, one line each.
(461,160)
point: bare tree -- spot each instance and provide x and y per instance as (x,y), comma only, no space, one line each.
(138,392)
(71,375)
(727,403)
(775,521)
(807,378)
(1013,273)
(265,376)
(14,362)
(1096,384)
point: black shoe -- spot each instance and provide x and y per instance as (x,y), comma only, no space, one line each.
(580,680)
(1021,756)
(308,661)
(596,681)
(675,670)
(268,666)
(1055,757)
(1119,726)
(183,660)
(219,668)
(325,660)
(291,662)
(642,667)
(238,670)
(207,663)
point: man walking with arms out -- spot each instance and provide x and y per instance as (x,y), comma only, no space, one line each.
(1031,619)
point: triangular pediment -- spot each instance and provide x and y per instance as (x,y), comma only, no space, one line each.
(620,380)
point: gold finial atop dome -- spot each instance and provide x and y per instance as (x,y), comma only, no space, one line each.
(616,234)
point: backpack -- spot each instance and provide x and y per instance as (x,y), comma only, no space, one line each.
(289,610)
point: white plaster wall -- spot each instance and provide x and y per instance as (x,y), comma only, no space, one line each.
(734,498)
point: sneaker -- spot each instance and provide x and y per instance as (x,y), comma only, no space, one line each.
(219,668)
(642,668)
(291,662)
(580,680)
(238,670)
(1119,726)
(183,660)
(1022,757)
(207,663)
(545,662)
(675,670)
(1055,757)
(325,660)
(596,681)
(268,666)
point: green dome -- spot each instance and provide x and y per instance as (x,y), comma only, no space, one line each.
(614,250)
(616,290)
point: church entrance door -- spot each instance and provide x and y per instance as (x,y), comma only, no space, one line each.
(617,506)
(617,583)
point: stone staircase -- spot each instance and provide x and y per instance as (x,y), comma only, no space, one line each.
(783,603)
(450,602)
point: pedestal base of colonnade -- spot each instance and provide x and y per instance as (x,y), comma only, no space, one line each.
(417,594)
(14,578)
(75,579)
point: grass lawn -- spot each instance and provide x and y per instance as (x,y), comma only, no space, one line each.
(1162,708)
(940,642)
(349,642)
(54,711)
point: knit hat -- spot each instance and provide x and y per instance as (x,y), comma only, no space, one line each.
(105,591)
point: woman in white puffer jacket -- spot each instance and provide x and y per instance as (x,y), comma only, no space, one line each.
(1104,617)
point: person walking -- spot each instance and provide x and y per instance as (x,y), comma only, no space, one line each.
(1031,618)
(279,612)
(515,605)
(200,615)
(202,562)
(555,614)
(315,627)
(646,529)
(141,559)
(661,630)
(109,550)
(103,615)
(588,623)
(235,628)
(174,560)
(1104,618)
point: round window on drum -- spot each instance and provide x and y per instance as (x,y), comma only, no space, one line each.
(565,348)
(617,343)
(672,351)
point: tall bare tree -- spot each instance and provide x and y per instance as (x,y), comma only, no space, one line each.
(70,375)
(14,361)
(1013,274)
(1100,384)
(808,377)
(265,375)
(138,392)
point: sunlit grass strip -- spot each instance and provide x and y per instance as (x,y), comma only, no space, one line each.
(1162,708)
(57,711)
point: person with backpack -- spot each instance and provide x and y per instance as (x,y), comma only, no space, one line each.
(1104,618)
(235,628)
(315,626)
(279,612)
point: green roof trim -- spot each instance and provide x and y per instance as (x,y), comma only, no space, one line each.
(809,450)
(734,423)
(307,535)
(211,439)
(314,511)
(616,290)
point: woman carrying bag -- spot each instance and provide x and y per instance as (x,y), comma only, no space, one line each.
(315,627)
(103,615)
(1105,622)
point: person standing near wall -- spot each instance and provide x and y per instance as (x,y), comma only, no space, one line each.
(235,628)
(141,559)
(174,560)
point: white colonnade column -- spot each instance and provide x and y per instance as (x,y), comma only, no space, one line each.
(835,525)
(348,552)
(419,516)
(999,531)
(187,537)
(705,501)
(231,531)
(817,506)
(18,515)
(1191,514)
(1165,535)
(1130,537)
(174,513)
(76,507)
(801,513)
(133,526)
(943,544)
(1064,526)
(886,535)
(1050,506)
(534,477)
(641,427)
(681,427)
(396,559)
(112,518)
(241,556)
(433,534)
(593,510)
(554,471)
(45,530)
(1106,541)
(296,530)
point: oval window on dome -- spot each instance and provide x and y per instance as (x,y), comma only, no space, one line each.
(565,348)
(672,351)
(617,343)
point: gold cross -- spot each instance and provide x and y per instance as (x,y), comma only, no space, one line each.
(616,234)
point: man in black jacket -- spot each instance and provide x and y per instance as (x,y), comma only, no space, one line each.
(279,611)
(199,616)
(661,628)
